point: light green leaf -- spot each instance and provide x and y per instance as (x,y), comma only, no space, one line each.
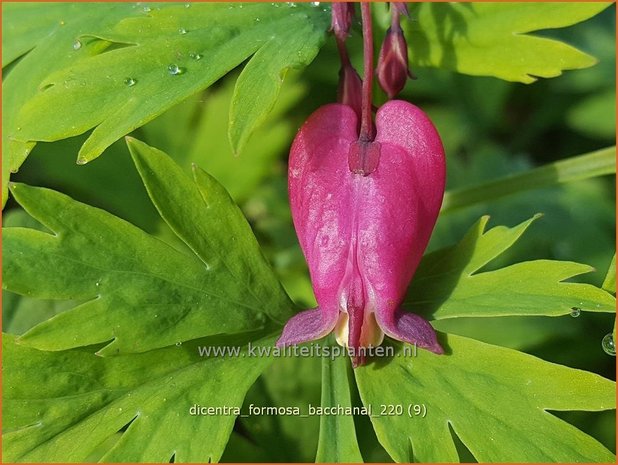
(492,39)
(52,37)
(260,82)
(136,290)
(60,406)
(337,443)
(195,132)
(26,25)
(158,58)
(609,284)
(496,400)
(450,282)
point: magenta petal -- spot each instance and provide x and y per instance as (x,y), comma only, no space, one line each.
(364,219)
(408,327)
(307,326)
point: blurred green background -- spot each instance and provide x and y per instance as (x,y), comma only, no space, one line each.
(490,128)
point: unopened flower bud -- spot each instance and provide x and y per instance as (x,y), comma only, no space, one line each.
(342,16)
(392,68)
(350,88)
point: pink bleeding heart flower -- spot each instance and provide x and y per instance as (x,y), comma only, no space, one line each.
(363,231)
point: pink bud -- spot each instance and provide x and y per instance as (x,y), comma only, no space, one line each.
(341,19)
(364,234)
(350,88)
(393,62)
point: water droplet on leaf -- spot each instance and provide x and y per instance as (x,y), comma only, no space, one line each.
(77,45)
(315,3)
(196,56)
(182,31)
(179,343)
(608,344)
(130,82)
(187,5)
(575,312)
(147,9)
(175,70)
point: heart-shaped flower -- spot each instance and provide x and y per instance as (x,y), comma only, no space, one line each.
(363,233)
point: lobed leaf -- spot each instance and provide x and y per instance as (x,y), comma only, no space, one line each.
(60,406)
(493,39)
(50,41)
(450,282)
(496,400)
(154,57)
(136,290)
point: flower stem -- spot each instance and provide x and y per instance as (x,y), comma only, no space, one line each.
(366,130)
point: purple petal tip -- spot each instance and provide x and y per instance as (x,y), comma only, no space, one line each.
(307,326)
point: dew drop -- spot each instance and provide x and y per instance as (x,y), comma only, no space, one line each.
(81,161)
(196,56)
(62,23)
(156,316)
(182,31)
(257,20)
(609,347)
(315,3)
(187,5)
(77,45)
(575,311)
(130,82)
(98,283)
(175,70)
(147,9)
(179,343)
